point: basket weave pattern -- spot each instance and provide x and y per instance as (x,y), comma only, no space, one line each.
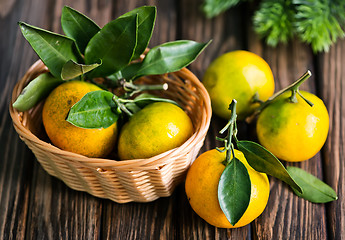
(139,180)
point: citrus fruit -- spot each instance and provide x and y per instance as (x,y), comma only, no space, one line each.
(88,142)
(156,128)
(238,75)
(293,131)
(202,189)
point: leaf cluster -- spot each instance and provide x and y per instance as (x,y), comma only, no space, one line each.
(234,188)
(316,22)
(113,53)
(100,52)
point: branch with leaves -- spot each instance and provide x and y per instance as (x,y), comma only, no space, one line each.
(234,188)
(114,53)
(316,22)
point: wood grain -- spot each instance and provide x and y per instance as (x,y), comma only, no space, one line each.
(57,212)
(34,205)
(14,185)
(25,211)
(15,158)
(332,72)
(286,216)
(140,220)
(226,36)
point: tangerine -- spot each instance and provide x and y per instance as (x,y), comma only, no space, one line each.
(88,142)
(156,128)
(239,75)
(202,189)
(293,131)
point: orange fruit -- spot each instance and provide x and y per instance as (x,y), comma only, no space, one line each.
(238,75)
(202,189)
(88,142)
(155,129)
(293,131)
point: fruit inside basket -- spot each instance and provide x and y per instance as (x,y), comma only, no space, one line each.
(137,72)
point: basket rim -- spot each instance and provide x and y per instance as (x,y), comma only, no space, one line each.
(157,160)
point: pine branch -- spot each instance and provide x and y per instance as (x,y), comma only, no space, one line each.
(274,21)
(319,23)
(316,23)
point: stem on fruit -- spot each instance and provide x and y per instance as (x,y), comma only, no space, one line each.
(309,102)
(120,106)
(231,127)
(294,88)
(132,89)
(256,99)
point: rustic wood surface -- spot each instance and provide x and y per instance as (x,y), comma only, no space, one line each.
(34,205)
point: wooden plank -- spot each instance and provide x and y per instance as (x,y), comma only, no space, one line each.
(36,205)
(152,220)
(191,226)
(144,220)
(332,85)
(287,216)
(16,159)
(224,31)
(226,36)
(14,183)
(58,212)
(55,211)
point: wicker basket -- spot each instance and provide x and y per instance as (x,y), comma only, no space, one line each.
(140,180)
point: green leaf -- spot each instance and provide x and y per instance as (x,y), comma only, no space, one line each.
(262,160)
(234,190)
(314,190)
(212,8)
(78,27)
(146,22)
(72,69)
(53,49)
(165,58)
(129,72)
(94,110)
(114,44)
(35,91)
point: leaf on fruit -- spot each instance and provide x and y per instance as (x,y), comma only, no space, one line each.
(314,190)
(262,160)
(94,110)
(234,190)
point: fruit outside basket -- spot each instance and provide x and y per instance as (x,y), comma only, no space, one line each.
(139,180)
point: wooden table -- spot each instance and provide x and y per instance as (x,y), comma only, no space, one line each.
(35,205)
